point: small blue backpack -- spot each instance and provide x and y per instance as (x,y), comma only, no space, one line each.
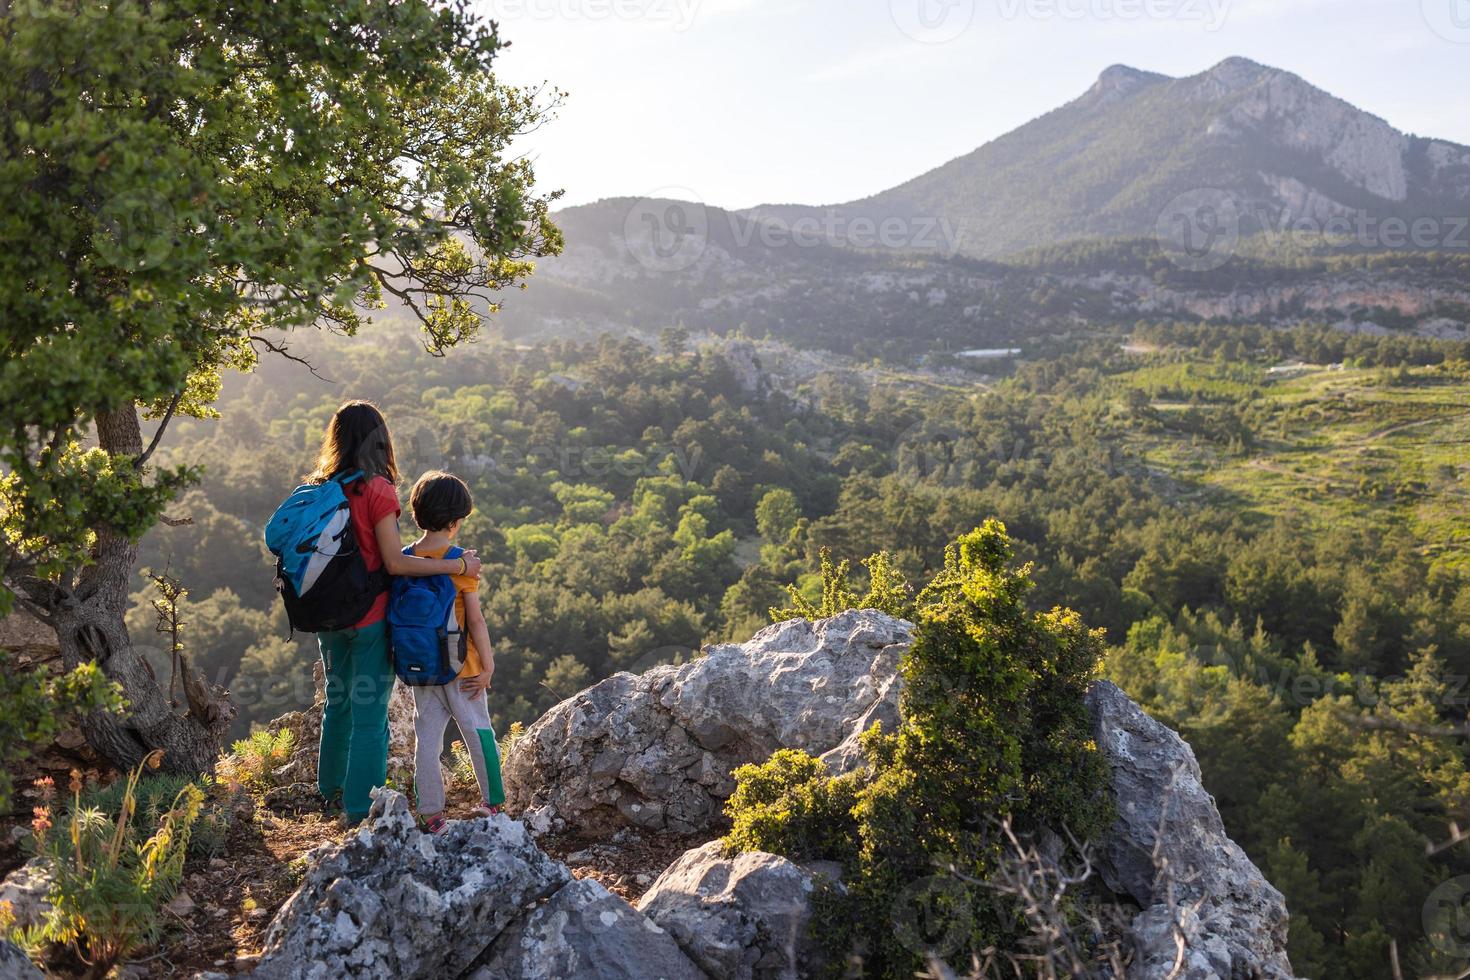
(428,644)
(320,571)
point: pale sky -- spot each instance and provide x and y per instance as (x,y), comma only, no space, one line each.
(743,102)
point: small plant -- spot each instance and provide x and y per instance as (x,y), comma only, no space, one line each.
(461,766)
(108,886)
(888,591)
(512,736)
(253,761)
(154,796)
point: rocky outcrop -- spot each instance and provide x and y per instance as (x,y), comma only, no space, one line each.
(1169,851)
(480,901)
(656,750)
(741,917)
(584,932)
(393,901)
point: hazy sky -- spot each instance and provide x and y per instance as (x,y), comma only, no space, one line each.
(741,102)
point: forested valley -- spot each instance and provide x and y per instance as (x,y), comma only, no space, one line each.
(1293,597)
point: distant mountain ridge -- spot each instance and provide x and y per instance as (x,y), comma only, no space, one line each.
(1109,163)
(1062,224)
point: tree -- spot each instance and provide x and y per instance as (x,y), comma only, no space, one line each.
(183,184)
(776,515)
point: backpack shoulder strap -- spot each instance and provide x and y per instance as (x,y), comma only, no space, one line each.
(454,552)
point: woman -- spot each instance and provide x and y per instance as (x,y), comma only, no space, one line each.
(359,673)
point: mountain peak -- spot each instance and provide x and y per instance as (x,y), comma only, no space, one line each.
(1120,81)
(1236,74)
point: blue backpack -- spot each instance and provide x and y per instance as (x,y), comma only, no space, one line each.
(428,644)
(320,571)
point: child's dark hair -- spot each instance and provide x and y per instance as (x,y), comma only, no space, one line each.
(439,499)
(356,439)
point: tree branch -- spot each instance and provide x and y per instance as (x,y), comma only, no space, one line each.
(285,352)
(173,406)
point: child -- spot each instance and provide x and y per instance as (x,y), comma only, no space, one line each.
(440,503)
(353,756)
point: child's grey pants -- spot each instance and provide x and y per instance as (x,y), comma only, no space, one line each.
(432,709)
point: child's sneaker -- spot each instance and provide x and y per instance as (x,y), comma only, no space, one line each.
(435,824)
(484,809)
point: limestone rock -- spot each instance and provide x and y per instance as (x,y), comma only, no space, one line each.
(1168,830)
(25,889)
(15,965)
(392,901)
(739,918)
(584,932)
(656,750)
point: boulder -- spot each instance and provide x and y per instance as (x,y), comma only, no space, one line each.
(584,932)
(1168,850)
(392,901)
(655,751)
(740,918)
(15,964)
(26,889)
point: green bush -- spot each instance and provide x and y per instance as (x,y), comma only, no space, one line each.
(791,805)
(34,706)
(994,727)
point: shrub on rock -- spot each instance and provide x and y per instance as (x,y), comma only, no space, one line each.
(994,727)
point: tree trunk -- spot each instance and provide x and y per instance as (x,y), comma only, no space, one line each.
(92,629)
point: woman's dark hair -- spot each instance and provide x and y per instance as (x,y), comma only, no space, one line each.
(357,438)
(438,500)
